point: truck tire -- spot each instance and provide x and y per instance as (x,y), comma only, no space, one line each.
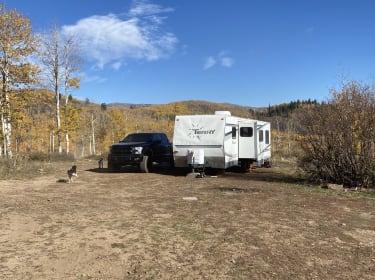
(113,167)
(145,165)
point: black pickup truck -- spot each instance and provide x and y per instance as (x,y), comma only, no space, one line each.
(144,150)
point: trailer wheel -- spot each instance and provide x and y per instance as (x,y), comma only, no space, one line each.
(146,164)
(245,165)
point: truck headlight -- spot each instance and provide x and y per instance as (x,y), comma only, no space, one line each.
(137,150)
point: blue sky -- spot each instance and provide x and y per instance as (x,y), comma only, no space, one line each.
(247,52)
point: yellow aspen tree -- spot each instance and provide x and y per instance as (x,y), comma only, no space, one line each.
(22,123)
(70,122)
(17,43)
(60,62)
(71,65)
(117,124)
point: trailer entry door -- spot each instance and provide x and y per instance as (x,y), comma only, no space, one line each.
(246,142)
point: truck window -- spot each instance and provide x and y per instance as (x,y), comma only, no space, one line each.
(163,139)
(137,137)
(246,132)
(260,135)
(157,138)
(234,132)
(267,136)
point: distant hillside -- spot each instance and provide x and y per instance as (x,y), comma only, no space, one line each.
(198,107)
(94,127)
(193,107)
(126,105)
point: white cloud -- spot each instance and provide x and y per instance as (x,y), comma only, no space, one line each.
(222,59)
(209,62)
(145,8)
(227,61)
(94,79)
(116,65)
(109,39)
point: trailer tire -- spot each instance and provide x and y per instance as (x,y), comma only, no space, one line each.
(245,165)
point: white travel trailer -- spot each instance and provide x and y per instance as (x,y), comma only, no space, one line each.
(220,141)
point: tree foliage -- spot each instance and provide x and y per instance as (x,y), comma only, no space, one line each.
(339,137)
(60,63)
(17,43)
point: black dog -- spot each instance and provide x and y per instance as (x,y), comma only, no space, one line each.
(100,162)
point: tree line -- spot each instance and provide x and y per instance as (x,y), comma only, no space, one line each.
(38,61)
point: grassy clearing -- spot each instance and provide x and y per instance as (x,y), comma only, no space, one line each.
(31,165)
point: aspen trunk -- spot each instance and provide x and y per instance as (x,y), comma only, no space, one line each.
(6,118)
(93,152)
(58,122)
(67,143)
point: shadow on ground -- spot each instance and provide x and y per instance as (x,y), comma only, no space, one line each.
(273,174)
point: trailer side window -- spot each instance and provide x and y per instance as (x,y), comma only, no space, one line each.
(234,132)
(246,132)
(267,136)
(260,135)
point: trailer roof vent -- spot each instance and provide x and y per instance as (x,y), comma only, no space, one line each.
(223,113)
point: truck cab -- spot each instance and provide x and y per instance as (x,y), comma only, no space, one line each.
(143,150)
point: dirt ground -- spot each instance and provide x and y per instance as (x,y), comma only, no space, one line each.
(129,225)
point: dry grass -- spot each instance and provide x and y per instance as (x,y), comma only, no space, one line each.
(265,224)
